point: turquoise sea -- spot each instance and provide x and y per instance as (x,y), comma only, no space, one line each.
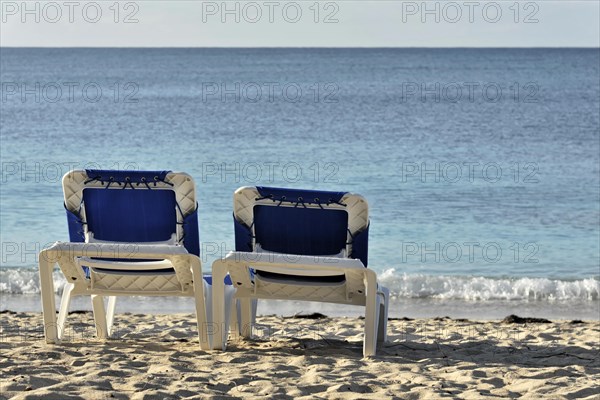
(481,166)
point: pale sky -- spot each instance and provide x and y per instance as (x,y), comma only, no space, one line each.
(300,23)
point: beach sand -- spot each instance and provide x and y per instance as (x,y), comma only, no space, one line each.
(157,356)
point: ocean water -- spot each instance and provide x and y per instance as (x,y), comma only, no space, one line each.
(481,166)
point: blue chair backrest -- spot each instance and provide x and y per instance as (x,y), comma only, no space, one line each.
(287,226)
(305,231)
(130,215)
(129,208)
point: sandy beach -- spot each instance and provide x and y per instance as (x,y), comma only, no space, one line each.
(155,356)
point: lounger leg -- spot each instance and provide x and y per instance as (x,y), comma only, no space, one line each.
(230,307)
(110,314)
(238,314)
(254,307)
(371,311)
(383,315)
(99,316)
(234,320)
(219,271)
(65,302)
(47,294)
(246,322)
(203,333)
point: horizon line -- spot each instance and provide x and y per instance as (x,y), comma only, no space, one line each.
(300,47)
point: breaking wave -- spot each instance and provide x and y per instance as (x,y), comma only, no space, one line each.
(26,281)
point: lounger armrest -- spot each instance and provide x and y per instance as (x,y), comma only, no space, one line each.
(113,250)
(301,265)
(65,253)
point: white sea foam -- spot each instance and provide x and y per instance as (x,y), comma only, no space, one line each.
(401,285)
(25,281)
(487,288)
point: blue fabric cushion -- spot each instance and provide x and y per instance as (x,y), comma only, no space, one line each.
(300,279)
(360,245)
(191,233)
(76,233)
(243,236)
(299,230)
(130,215)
